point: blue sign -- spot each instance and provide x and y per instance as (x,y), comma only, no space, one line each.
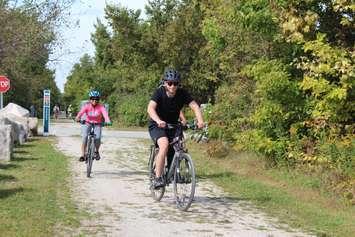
(46,111)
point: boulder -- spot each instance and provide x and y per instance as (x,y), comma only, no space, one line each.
(33,126)
(6,142)
(22,120)
(30,123)
(15,109)
(18,131)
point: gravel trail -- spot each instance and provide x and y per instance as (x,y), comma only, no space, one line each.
(119,198)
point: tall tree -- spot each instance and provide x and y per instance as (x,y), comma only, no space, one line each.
(28,35)
(103,45)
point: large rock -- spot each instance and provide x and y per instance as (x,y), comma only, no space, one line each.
(22,120)
(15,109)
(5,142)
(18,131)
(33,126)
(30,124)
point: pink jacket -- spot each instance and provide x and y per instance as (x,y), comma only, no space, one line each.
(94,114)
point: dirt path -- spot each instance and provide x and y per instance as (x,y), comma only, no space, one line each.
(118,195)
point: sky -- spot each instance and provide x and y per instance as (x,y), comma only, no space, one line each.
(76,40)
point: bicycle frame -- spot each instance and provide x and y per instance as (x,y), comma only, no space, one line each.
(176,173)
(178,144)
(90,147)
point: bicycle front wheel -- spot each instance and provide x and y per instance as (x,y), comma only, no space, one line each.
(90,156)
(157,194)
(184,182)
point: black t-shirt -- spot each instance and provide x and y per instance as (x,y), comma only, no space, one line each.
(168,108)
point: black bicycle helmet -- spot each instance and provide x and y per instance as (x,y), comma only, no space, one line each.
(171,75)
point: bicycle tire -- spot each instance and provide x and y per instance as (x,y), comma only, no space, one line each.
(90,156)
(157,194)
(184,182)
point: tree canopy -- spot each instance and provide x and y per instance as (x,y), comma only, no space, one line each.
(28,35)
(279,75)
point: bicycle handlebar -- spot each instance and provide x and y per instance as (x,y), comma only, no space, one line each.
(179,124)
(104,124)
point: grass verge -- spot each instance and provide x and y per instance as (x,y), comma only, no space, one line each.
(35,198)
(291,196)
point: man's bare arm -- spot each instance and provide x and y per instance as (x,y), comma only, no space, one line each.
(197,111)
(152,105)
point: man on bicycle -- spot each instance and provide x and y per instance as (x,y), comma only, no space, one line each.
(164,107)
(94,112)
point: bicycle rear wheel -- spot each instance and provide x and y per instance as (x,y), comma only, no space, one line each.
(184,182)
(157,194)
(89,156)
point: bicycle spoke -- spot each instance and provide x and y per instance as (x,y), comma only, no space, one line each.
(90,157)
(184,182)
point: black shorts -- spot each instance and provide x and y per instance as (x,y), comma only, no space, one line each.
(155,132)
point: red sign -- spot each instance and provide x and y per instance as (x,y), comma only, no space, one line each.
(4,84)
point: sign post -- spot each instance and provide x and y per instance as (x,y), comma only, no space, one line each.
(4,87)
(46,111)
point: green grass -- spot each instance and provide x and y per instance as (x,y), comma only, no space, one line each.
(35,198)
(294,197)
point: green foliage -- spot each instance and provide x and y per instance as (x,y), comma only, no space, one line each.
(230,113)
(79,82)
(329,79)
(131,109)
(280,100)
(274,150)
(278,104)
(340,152)
(102,41)
(278,75)
(212,33)
(28,35)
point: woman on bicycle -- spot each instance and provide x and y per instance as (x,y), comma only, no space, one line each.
(165,107)
(95,112)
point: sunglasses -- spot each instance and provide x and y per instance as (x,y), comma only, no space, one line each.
(96,99)
(170,83)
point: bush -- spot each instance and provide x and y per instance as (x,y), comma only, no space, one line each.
(229,114)
(132,110)
(217,149)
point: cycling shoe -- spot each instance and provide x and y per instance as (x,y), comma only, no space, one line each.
(158,183)
(97,156)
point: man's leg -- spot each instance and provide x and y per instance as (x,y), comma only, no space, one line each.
(163,144)
(159,136)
